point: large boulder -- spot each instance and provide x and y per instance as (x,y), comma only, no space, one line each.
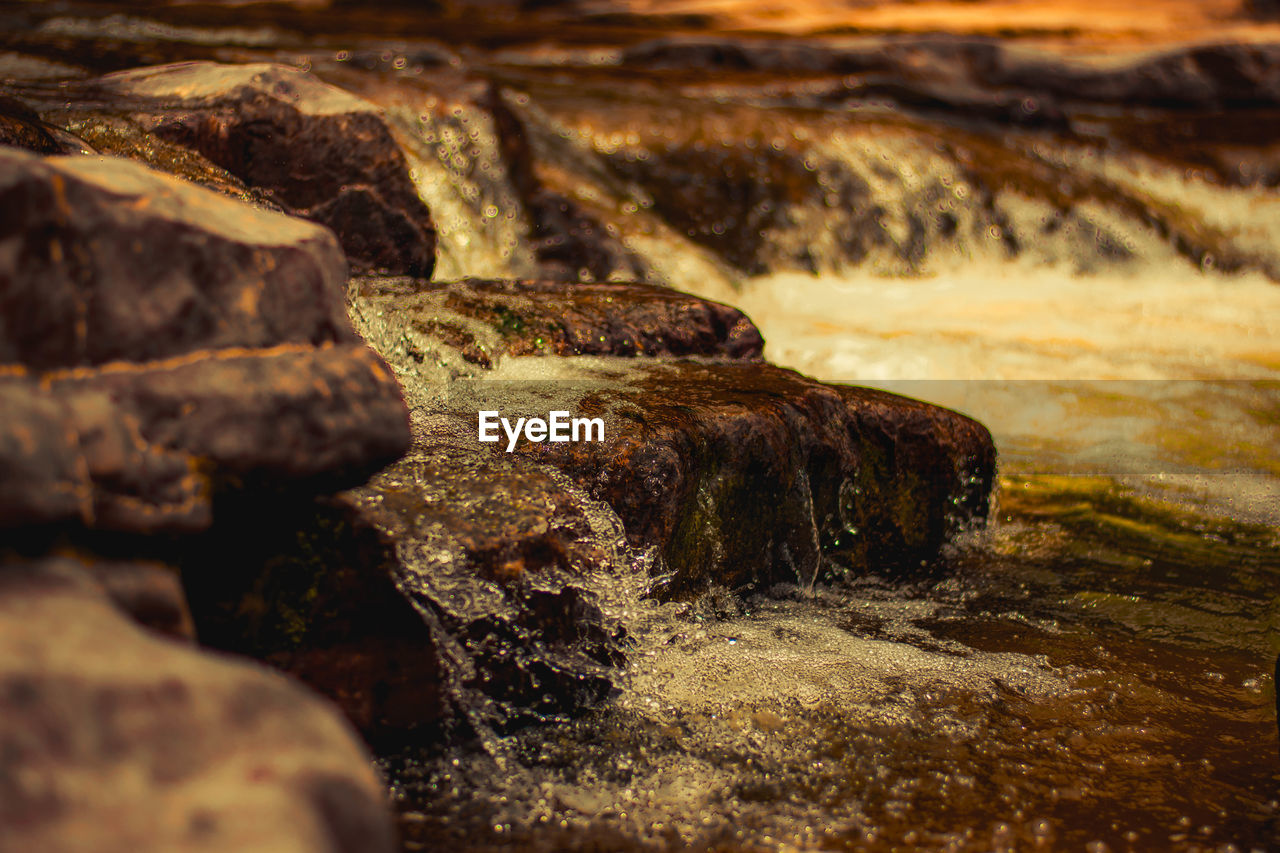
(738,472)
(115,739)
(158,340)
(747,475)
(320,152)
(108,261)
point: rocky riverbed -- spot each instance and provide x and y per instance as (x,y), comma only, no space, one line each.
(263,588)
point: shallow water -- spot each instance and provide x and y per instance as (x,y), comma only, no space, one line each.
(1049,689)
(1094,671)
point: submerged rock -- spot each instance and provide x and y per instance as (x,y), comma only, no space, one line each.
(320,152)
(117,739)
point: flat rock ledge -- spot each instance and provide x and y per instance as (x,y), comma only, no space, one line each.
(745,475)
(741,473)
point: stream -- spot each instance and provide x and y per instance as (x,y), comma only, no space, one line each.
(1094,670)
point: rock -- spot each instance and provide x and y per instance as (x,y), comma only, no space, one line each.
(43,475)
(162,340)
(747,475)
(1266,10)
(733,200)
(320,152)
(116,739)
(486,319)
(21,127)
(149,592)
(449,589)
(117,135)
(288,412)
(944,69)
(569,242)
(740,473)
(76,456)
(110,261)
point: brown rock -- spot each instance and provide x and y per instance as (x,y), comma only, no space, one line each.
(185,340)
(322,153)
(115,739)
(747,475)
(569,242)
(449,589)
(20,127)
(43,476)
(149,592)
(289,412)
(108,260)
(485,320)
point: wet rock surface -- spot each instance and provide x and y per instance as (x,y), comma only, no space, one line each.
(120,739)
(318,151)
(486,320)
(746,475)
(451,591)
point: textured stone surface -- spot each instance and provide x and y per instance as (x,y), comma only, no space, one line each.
(106,260)
(116,739)
(286,412)
(449,588)
(20,127)
(486,320)
(158,339)
(322,153)
(747,475)
(148,591)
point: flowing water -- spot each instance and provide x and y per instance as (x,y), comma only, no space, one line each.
(1094,670)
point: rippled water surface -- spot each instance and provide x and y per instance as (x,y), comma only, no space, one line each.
(1094,671)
